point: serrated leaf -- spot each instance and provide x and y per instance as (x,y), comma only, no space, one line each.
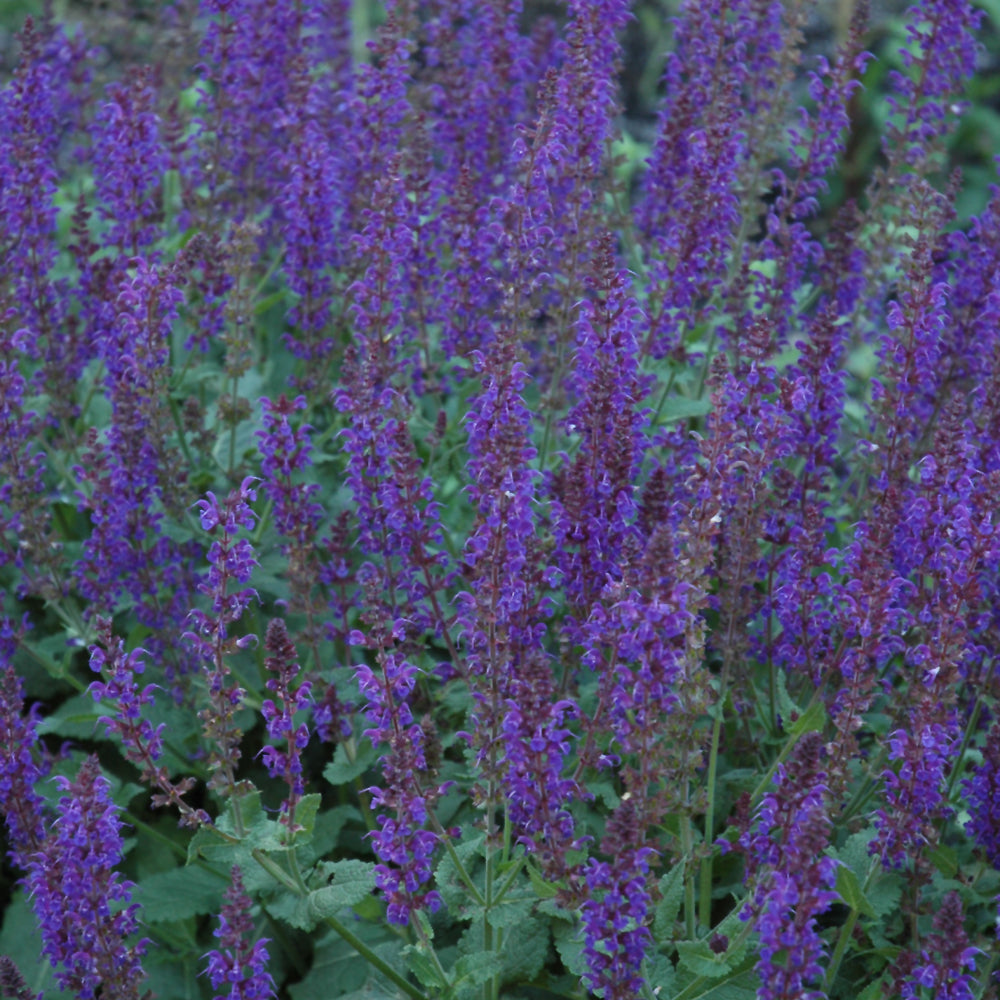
(424,968)
(351,882)
(885,892)
(671,893)
(305,815)
(944,859)
(525,950)
(855,853)
(510,913)
(453,889)
(543,889)
(662,976)
(477,968)
(342,770)
(294,910)
(335,970)
(683,408)
(813,719)
(77,717)
(179,894)
(260,833)
(850,891)
(701,960)
(570,949)
(873,990)
(739,986)
(20,940)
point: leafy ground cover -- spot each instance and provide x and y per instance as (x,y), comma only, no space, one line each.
(451,549)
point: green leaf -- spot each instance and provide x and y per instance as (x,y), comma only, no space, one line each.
(510,913)
(259,833)
(944,859)
(20,939)
(813,719)
(172,975)
(701,960)
(740,985)
(885,892)
(525,950)
(76,718)
(850,891)
(342,770)
(683,408)
(453,889)
(424,968)
(570,947)
(180,893)
(669,906)
(662,976)
(351,882)
(305,815)
(544,890)
(336,969)
(477,968)
(855,853)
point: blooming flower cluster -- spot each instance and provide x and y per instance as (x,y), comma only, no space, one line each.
(597,445)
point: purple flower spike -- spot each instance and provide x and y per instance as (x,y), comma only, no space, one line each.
(238,964)
(77,862)
(279,714)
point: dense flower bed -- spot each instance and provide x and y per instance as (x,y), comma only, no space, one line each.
(449,551)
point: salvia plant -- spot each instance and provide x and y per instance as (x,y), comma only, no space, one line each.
(451,548)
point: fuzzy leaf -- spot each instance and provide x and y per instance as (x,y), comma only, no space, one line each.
(669,906)
(180,893)
(351,882)
(342,770)
(701,960)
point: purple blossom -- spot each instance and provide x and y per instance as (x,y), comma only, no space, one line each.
(939,57)
(312,209)
(231,561)
(30,128)
(142,742)
(943,957)
(21,768)
(239,965)
(129,163)
(279,715)
(12,983)
(402,844)
(690,212)
(285,450)
(982,792)
(594,505)
(793,880)
(134,474)
(254,53)
(86,941)
(618,908)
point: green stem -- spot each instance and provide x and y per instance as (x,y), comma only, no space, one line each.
(687,846)
(509,881)
(846,932)
(843,940)
(970,730)
(705,874)
(374,960)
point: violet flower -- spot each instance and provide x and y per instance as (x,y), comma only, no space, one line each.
(793,879)
(129,163)
(86,941)
(231,561)
(982,793)
(239,965)
(279,715)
